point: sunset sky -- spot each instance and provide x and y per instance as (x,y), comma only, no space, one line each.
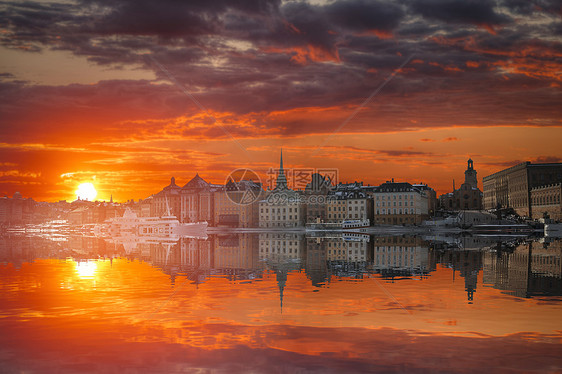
(126,94)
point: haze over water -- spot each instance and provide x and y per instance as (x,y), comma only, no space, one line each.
(279,302)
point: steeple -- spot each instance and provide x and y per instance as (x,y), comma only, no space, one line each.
(470,175)
(281,182)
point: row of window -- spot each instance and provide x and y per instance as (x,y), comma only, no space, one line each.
(544,200)
(339,251)
(399,249)
(278,218)
(279,210)
(393,197)
(339,208)
(342,216)
(399,203)
(279,250)
(396,211)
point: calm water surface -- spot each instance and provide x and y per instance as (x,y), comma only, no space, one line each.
(280,303)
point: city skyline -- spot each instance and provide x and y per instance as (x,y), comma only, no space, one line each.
(126,96)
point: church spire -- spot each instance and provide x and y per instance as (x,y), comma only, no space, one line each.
(281,183)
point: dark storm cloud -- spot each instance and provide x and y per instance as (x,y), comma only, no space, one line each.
(260,56)
(365,15)
(476,12)
(526,7)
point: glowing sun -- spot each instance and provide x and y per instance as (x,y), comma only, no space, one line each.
(86,191)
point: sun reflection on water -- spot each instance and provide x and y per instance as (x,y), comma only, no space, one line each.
(86,269)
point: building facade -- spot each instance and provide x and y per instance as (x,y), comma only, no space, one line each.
(316,194)
(349,202)
(399,204)
(197,201)
(17,209)
(547,200)
(167,201)
(511,188)
(231,208)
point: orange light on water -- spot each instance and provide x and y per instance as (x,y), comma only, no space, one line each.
(86,270)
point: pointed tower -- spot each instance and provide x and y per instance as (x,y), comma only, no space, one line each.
(470,175)
(281,182)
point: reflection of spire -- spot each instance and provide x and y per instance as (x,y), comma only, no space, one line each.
(470,294)
(281,183)
(281,281)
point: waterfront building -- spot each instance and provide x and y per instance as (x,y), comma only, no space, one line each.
(399,204)
(17,209)
(349,202)
(432,201)
(468,196)
(232,207)
(511,188)
(282,207)
(167,201)
(197,201)
(145,206)
(547,200)
(316,194)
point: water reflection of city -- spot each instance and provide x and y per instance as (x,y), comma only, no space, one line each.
(523,268)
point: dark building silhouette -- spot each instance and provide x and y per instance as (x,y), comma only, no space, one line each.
(468,196)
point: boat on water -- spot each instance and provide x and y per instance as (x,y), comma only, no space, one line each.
(553,229)
(155,227)
(337,226)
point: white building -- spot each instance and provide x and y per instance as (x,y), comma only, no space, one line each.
(399,204)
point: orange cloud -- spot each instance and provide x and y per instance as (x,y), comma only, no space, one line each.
(306,54)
